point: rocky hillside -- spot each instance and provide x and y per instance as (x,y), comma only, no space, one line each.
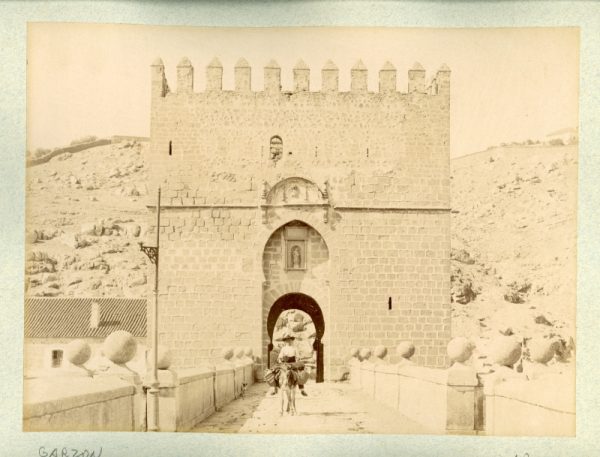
(513,234)
(85,217)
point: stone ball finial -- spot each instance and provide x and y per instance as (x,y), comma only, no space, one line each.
(365,353)
(354,352)
(380,351)
(505,351)
(78,352)
(120,346)
(248,351)
(164,358)
(460,349)
(405,349)
(239,352)
(541,350)
(227,353)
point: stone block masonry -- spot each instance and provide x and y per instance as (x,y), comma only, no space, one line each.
(368,173)
(398,257)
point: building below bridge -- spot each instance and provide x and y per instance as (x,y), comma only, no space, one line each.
(52,323)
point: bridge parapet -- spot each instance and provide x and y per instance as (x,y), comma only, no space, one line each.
(114,399)
(463,398)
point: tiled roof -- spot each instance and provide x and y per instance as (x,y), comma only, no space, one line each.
(70,317)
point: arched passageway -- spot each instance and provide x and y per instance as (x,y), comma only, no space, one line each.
(304,303)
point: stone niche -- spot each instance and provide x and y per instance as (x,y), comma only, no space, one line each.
(295,237)
(295,250)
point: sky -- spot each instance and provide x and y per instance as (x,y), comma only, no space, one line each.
(507,84)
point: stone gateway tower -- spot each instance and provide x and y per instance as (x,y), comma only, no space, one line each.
(333,203)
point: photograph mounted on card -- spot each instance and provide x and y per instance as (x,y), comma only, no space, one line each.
(392,209)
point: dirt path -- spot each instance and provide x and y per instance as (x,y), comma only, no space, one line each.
(329,408)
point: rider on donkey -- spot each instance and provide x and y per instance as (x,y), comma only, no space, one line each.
(288,355)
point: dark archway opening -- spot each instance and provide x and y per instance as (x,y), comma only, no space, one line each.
(309,306)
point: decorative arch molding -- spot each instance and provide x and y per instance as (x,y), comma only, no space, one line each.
(286,292)
(299,301)
(295,190)
(311,288)
(285,218)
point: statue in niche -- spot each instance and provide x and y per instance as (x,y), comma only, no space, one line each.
(295,192)
(296,257)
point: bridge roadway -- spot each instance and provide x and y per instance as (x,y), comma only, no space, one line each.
(329,408)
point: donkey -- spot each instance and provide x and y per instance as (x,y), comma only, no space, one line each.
(288,383)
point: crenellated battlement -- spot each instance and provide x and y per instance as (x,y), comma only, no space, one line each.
(274,194)
(439,84)
(350,136)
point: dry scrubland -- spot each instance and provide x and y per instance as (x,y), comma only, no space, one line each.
(85,217)
(513,234)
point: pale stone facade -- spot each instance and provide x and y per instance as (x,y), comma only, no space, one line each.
(335,201)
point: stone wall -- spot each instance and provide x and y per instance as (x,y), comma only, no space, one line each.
(421,394)
(79,404)
(109,404)
(367,172)
(539,407)
(210,281)
(506,398)
(68,149)
(76,397)
(397,255)
(195,398)
(375,149)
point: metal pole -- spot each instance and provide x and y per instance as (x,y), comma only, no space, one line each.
(154,384)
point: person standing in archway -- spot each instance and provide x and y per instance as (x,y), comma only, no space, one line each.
(288,354)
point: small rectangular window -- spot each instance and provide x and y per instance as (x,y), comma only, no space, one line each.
(57,356)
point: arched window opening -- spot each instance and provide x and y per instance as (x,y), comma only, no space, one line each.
(276,148)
